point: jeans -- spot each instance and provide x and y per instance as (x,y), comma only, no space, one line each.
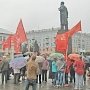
(44,75)
(16,78)
(32,83)
(55,78)
(84,76)
(61,78)
(72,76)
(4,73)
(78,81)
(66,78)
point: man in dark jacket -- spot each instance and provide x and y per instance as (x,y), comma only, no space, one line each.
(4,69)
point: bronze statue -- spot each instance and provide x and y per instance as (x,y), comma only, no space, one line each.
(36,47)
(63,17)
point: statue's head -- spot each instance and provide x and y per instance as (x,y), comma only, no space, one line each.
(62,3)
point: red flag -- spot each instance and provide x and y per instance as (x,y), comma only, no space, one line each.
(17,44)
(4,45)
(61,42)
(7,43)
(75,29)
(20,33)
(62,39)
(17,47)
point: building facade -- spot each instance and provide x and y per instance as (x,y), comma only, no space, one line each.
(46,40)
(81,42)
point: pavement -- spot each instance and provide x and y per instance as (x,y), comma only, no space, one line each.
(44,86)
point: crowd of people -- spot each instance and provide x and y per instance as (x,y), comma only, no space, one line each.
(62,72)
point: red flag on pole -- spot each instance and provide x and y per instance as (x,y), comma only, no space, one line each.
(19,37)
(20,33)
(17,47)
(4,45)
(62,39)
(7,43)
(75,29)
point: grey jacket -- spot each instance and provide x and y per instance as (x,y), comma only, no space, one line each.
(4,65)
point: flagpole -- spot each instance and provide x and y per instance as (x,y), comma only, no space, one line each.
(12,50)
(66,52)
(81,45)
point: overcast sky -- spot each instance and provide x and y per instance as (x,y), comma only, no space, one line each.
(42,14)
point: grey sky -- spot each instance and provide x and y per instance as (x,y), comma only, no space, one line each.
(40,14)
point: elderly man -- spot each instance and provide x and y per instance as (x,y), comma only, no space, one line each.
(4,69)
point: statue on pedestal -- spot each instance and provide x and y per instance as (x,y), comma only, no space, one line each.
(36,47)
(63,17)
(64,24)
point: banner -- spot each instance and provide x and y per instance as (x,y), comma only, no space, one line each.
(16,43)
(61,42)
(62,39)
(7,43)
(20,33)
(75,29)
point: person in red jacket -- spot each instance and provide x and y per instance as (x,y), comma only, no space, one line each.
(79,72)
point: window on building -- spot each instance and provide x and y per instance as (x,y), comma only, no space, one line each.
(47,38)
(47,44)
(43,45)
(51,44)
(54,43)
(33,39)
(39,44)
(79,46)
(30,41)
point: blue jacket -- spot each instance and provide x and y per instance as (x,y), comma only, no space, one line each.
(54,66)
